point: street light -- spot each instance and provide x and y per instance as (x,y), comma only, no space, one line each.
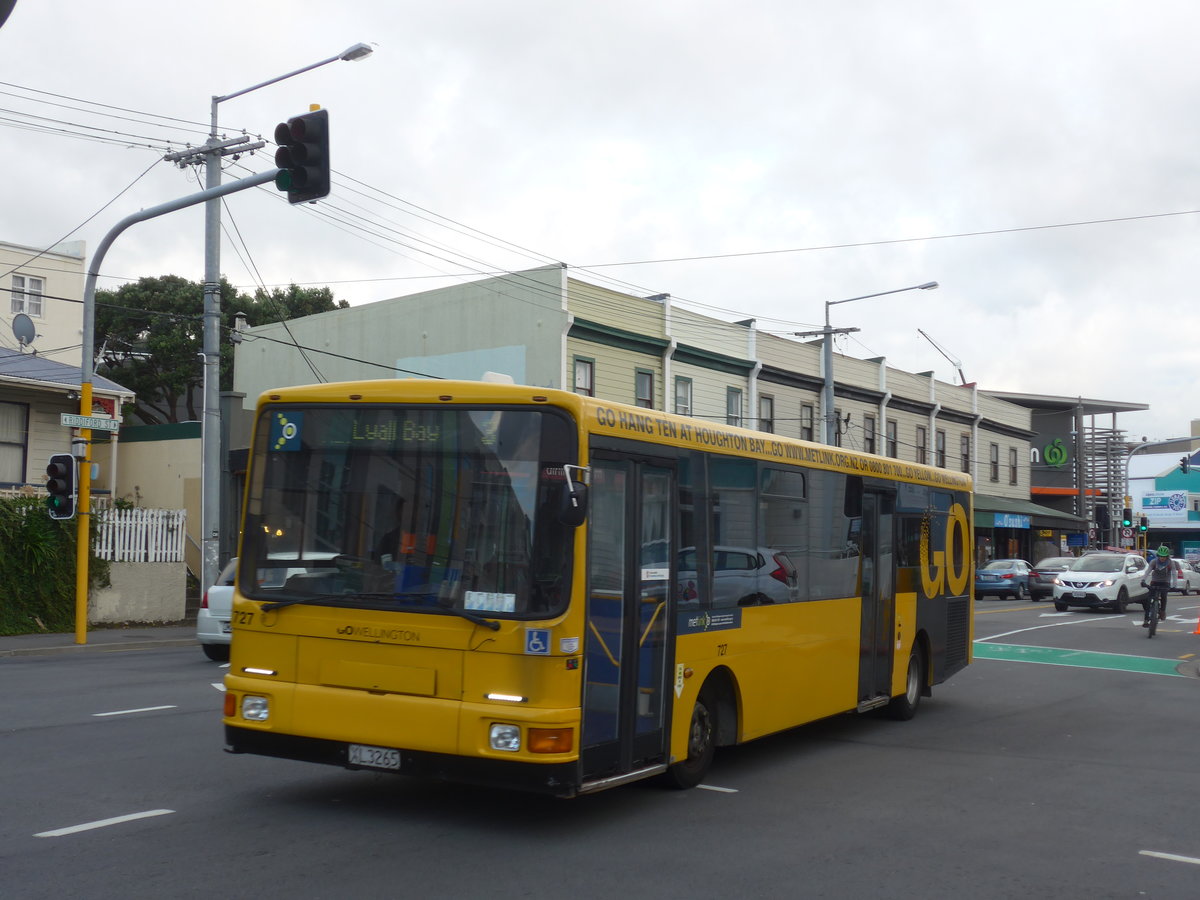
(210,433)
(827,334)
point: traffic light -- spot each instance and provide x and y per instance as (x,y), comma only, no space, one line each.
(303,156)
(1185,463)
(1143,524)
(1127,518)
(1102,520)
(60,483)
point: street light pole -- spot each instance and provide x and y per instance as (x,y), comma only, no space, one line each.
(210,429)
(827,334)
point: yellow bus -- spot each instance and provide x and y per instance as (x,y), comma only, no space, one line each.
(529,588)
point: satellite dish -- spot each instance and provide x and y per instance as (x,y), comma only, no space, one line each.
(23,329)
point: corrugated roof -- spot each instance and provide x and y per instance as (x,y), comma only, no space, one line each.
(30,367)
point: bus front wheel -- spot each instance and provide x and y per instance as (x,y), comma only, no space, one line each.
(702,738)
(905,706)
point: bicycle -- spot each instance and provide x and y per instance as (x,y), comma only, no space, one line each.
(1151,606)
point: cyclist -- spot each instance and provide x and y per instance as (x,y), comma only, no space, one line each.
(1159,571)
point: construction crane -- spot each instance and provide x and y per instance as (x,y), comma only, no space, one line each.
(954,362)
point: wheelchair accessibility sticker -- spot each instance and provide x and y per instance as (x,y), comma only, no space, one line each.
(537,641)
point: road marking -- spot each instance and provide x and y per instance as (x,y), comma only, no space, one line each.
(127,712)
(116,820)
(1156,854)
(713,787)
(219,686)
(1055,615)
(1054,656)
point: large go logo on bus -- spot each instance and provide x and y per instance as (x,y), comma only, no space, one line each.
(945,570)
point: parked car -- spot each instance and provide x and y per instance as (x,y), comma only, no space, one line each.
(1186,577)
(1101,580)
(1041,584)
(1004,578)
(213,627)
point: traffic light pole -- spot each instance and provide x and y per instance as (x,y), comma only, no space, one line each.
(83,504)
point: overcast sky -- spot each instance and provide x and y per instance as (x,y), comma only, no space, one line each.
(781,152)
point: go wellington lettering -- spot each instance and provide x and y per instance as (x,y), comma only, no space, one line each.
(945,571)
(380,634)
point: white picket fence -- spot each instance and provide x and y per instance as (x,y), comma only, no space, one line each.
(141,535)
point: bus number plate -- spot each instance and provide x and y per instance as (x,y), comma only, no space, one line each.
(375,757)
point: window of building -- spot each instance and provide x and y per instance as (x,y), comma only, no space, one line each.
(643,389)
(14,423)
(869,433)
(893,439)
(806,421)
(964,451)
(585,377)
(733,406)
(766,414)
(1012,465)
(940,439)
(683,396)
(922,444)
(994,461)
(27,295)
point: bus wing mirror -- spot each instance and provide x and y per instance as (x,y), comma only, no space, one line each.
(573,505)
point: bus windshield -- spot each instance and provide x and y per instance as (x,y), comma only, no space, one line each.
(445,510)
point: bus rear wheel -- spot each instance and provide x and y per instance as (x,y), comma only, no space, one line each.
(905,706)
(702,742)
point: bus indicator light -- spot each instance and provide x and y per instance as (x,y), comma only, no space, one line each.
(551,740)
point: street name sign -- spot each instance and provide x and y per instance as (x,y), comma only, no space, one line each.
(97,423)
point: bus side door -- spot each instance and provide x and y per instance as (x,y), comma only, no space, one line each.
(631,565)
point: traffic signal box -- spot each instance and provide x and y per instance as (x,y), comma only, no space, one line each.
(1185,464)
(61,479)
(1127,517)
(303,156)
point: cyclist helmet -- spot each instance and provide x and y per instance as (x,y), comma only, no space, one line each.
(1164,551)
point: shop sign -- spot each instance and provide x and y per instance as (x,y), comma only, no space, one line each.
(1009,520)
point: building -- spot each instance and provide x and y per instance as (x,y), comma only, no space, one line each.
(41,326)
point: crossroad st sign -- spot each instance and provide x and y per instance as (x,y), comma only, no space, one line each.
(97,423)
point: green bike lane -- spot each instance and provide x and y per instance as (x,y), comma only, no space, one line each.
(1181,665)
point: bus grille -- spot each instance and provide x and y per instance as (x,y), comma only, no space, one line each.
(957,633)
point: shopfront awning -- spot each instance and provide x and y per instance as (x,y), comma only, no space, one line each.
(1005,512)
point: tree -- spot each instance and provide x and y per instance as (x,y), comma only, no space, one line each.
(150,337)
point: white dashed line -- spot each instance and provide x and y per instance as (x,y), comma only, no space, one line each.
(116,820)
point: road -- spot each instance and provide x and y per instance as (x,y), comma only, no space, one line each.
(1066,774)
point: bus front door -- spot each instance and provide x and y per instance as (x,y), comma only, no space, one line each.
(878,597)
(631,557)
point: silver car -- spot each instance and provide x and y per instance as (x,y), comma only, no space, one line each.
(213,627)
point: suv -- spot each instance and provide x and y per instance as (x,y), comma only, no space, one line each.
(1109,580)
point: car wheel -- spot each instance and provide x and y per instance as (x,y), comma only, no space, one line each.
(1061,607)
(216,652)
(702,743)
(904,707)
(1122,601)
(1022,592)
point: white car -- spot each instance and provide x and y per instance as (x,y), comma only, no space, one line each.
(1186,578)
(1109,580)
(213,629)
(742,576)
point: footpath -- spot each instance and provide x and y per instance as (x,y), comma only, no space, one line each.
(100,640)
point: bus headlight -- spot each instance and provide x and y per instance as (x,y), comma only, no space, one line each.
(505,737)
(256,709)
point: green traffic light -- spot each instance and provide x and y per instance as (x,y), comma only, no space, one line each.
(283,181)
